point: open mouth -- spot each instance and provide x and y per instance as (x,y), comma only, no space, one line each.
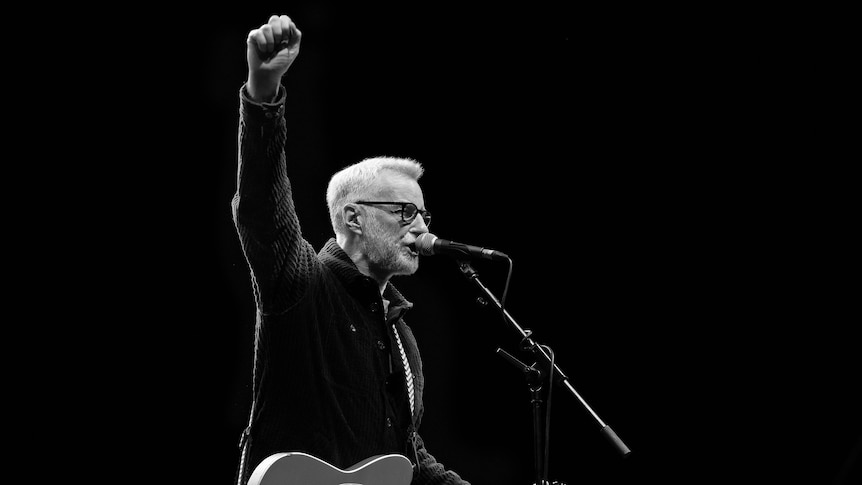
(412,248)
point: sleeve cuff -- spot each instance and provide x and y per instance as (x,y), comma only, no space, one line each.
(252,110)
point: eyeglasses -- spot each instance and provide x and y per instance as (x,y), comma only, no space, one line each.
(408,211)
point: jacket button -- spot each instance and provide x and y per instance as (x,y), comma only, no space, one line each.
(388,422)
(381,345)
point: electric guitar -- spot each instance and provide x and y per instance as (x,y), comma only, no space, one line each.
(295,468)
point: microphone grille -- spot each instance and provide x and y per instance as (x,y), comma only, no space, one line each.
(425,244)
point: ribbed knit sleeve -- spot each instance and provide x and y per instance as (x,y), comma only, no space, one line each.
(263,209)
(431,472)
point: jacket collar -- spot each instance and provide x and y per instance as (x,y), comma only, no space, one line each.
(334,258)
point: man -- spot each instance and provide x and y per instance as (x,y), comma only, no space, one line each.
(337,373)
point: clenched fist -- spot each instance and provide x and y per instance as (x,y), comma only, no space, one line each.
(272,48)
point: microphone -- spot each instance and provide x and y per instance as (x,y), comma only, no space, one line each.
(428,244)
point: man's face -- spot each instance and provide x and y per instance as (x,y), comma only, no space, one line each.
(387,241)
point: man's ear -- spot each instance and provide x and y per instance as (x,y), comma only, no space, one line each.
(352,218)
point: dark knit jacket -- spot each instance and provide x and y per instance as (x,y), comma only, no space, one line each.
(328,378)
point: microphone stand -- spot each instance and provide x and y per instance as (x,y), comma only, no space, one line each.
(534,382)
(557,376)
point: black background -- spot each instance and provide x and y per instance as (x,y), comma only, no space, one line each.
(673,231)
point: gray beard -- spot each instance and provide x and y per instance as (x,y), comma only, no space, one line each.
(386,256)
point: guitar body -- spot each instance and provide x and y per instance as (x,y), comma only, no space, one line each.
(297,468)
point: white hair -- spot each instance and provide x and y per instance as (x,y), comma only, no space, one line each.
(359,181)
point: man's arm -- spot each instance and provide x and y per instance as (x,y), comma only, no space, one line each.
(431,472)
(263,207)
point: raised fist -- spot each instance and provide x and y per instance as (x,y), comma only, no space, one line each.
(272,48)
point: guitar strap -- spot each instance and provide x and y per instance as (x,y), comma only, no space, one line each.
(244,438)
(410,393)
(408,375)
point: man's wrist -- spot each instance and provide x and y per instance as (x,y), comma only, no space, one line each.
(262,91)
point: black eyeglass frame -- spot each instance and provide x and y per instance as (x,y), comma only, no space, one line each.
(426,215)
